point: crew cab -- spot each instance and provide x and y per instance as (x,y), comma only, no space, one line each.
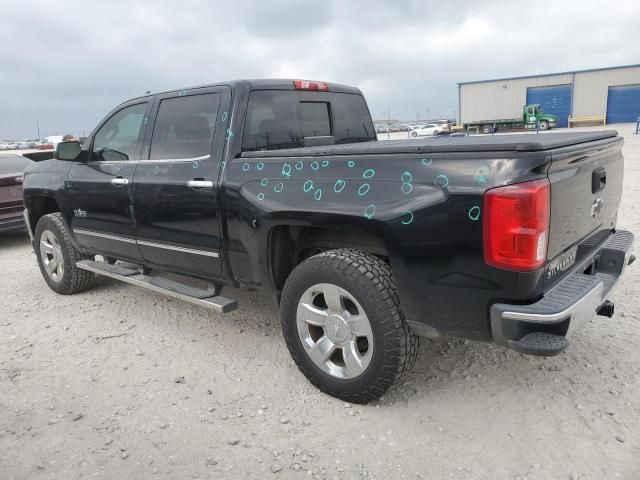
(365,245)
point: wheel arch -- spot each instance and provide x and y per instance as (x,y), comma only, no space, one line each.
(39,206)
(289,245)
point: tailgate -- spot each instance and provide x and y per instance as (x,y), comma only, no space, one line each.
(586,188)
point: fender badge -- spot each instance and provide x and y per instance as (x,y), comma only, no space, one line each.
(80,213)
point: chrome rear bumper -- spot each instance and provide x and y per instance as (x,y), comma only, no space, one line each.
(573,301)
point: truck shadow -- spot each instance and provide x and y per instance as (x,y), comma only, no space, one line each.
(17,238)
(445,366)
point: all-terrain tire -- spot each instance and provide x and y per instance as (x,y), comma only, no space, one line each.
(370,282)
(73,279)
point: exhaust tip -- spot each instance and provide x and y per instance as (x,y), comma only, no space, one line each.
(606,309)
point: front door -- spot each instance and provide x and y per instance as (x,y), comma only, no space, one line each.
(175,185)
(99,191)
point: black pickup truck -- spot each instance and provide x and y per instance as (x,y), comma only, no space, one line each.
(366,245)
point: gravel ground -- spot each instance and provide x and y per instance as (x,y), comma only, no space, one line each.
(120,383)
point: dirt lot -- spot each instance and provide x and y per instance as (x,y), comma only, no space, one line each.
(120,383)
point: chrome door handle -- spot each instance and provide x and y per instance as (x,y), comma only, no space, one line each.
(119,181)
(199,184)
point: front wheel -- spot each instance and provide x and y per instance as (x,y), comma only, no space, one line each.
(57,256)
(343,325)
(414,134)
(544,125)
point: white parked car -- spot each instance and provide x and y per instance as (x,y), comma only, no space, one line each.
(427,130)
(53,140)
(443,125)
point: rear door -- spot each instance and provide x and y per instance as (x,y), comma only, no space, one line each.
(99,191)
(175,186)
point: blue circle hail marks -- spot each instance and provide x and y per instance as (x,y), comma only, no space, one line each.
(318,194)
(315,165)
(299,165)
(407,188)
(351,164)
(264,182)
(441,181)
(261,196)
(339,185)
(474,213)
(364,189)
(246,167)
(279,187)
(426,161)
(286,170)
(182,93)
(408,217)
(229,134)
(369,211)
(368,173)
(156,170)
(308,186)
(260,166)
(224,116)
(195,165)
(325,163)
(145,120)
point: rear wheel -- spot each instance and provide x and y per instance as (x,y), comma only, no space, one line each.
(57,256)
(487,129)
(343,325)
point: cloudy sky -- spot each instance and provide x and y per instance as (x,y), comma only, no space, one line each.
(66,63)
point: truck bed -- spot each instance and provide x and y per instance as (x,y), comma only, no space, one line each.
(523,142)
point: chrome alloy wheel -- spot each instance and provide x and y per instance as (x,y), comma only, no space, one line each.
(51,255)
(334,330)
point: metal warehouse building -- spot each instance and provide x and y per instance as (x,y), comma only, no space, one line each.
(610,92)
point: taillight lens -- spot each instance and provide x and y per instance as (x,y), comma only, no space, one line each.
(516,225)
(310,85)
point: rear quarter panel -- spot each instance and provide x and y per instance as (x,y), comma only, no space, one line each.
(426,209)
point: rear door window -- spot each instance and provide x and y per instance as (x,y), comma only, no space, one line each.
(184,127)
(285,118)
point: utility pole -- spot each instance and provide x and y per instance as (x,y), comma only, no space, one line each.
(38,129)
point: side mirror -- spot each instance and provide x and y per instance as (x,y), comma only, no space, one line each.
(67,151)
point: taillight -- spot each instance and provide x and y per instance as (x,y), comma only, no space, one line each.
(311,85)
(515,227)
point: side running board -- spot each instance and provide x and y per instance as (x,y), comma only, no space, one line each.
(204,298)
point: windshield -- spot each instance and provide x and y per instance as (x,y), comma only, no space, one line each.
(288,118)
(540,109)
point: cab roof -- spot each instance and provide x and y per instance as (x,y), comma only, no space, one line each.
(259,84)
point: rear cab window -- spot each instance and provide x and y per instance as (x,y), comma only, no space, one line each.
(288,118)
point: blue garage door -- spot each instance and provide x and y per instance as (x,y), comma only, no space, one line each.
(555,99)
(623,104)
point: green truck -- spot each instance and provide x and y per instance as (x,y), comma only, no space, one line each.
(533,117)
